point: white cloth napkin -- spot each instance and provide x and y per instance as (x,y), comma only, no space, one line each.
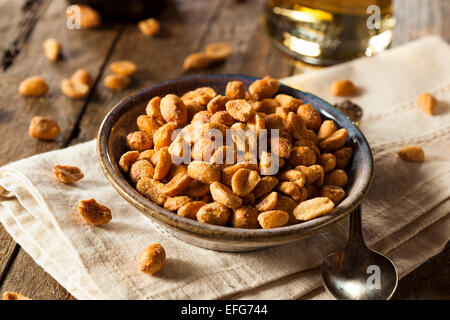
(405,215)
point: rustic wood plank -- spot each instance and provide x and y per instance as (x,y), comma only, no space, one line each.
(16,111)
(26,277)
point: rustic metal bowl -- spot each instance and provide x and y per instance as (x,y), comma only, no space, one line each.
(122,119)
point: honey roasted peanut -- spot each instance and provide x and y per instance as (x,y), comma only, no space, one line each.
(67,174)
(43,128)
(33,86)
(141,169)
(203,172)
(264,88)
(313,208)
(273,219)
(334,193)
(189,210)
(52,49)
(127,159)
(245,217)
(342,88)
(93,212)
(8,295)
(235,90)
(222,194)
(196,61)
(82,76)
(139,140)
(149,27)
(244,181)
(173,110)
(123,67)
(218,51)
(214,213)
(152,259)
(175,203)
(116,82)
(427,103)
(411,154)
(74,90)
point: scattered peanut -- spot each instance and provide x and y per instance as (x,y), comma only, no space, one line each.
(33,86)
(52,49)
(93,212)
(342,88)
(123,67)
(116,82)
(411,154)
(82,76)
(218,51)
(74,90)
(149,27)
(43,128)
(152,259)
(428,103)
(196,61)
(67,174)
(8,295)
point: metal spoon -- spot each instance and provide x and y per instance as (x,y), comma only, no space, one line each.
(357,272)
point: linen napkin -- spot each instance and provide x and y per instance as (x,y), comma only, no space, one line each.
(405,214)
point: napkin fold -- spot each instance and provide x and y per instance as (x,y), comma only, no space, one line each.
(405,214)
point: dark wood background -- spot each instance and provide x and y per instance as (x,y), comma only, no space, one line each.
(187,25)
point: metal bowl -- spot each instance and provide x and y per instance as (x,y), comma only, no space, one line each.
(111,144)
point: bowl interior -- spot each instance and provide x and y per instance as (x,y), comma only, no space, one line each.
(121,120)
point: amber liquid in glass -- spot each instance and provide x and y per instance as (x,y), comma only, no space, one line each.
(326,32)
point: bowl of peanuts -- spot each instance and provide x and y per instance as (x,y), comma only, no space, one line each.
(232,162)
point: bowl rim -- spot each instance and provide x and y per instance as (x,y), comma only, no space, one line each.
(202,229)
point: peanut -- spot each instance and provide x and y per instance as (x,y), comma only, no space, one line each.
(244,181)
(116,82)
(127,159)
(342,88)
(82,76)
(328,161)
(74,90)
(153,109)
(264,88)
(336,177)
(203,172)
(245,218)
(222,194)
(411,154)
(334,193)
(273,219)
(239,109)
(123,67)
(327,128)
(313,208)
(173,110)
(196,61)
(139,140)
(52,49)
(33,86)
(189,210)
(152,259)
(89,18)
(152,190)
(43,128)
(163,165)
(177,185)
(141,169)
(67,174)
(268,202)
(264,186)
(302,156)
(8,295)
(175,203)
(214,213)
(235,90)
(335,141)
(218,51)
(217,104)
(93,212)
(149,27)
(163,136)
(428,103)
(343,157)
(310,116)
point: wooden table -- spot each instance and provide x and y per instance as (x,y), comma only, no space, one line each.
(186,27)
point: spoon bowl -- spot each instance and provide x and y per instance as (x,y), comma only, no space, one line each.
(357,272)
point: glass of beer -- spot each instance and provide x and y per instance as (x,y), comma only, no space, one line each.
(326,32)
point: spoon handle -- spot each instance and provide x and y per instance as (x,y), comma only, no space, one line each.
(356,235)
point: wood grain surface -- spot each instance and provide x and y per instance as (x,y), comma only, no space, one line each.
(187,26)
